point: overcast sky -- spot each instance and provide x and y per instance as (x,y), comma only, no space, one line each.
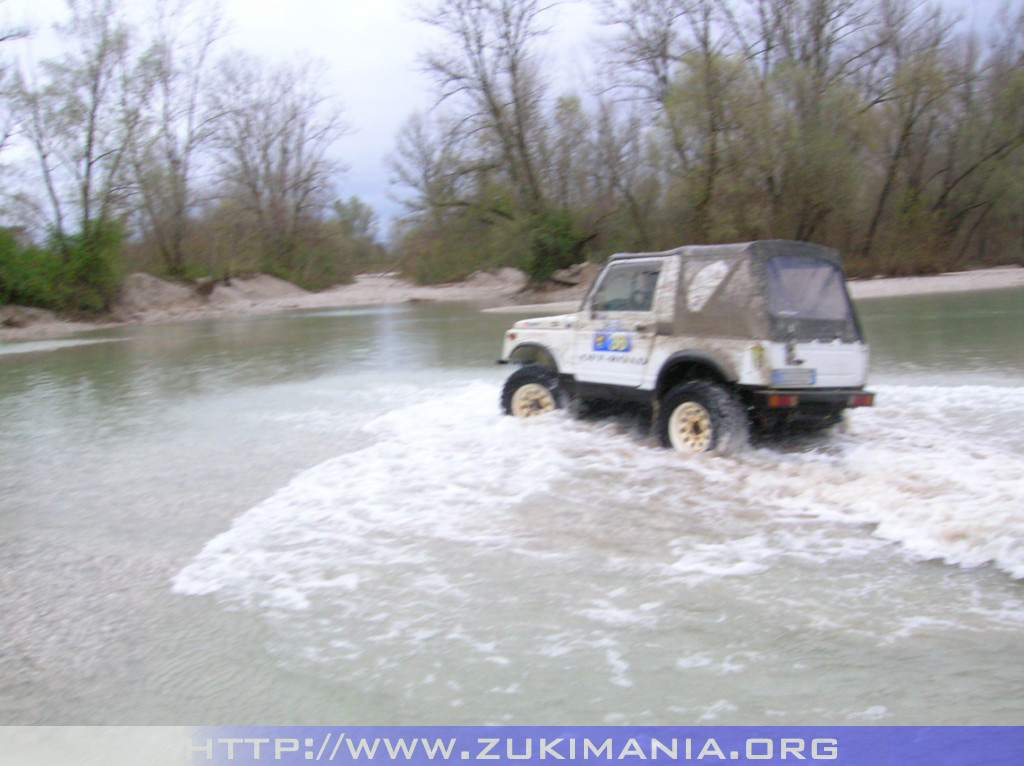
(371,48)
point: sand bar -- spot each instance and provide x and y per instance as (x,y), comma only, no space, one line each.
(148,299)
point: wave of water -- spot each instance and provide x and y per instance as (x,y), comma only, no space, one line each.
(938,470)
(932,469)
(451,547)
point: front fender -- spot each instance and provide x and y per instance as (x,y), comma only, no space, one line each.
(532,352)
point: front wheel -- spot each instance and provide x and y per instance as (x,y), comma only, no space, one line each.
(531,390)
(700,416)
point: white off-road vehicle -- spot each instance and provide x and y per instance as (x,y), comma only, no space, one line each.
(715,339)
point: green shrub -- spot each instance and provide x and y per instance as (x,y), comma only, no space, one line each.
(75,273)
(447,252)
(554,245)
(28,276)
(538,245)
(89,279)
(311,269)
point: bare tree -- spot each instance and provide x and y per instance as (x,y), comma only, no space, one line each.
(501,122)
(622,171)
(673,53)
(647,51)
(974,173)
(489,65)
(274,142)
(82,117)
(919,79)
(8,121)
(177,124)
(864,124)
(429,160)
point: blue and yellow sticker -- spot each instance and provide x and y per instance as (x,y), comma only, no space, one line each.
(618,342)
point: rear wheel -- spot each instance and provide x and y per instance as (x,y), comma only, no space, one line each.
(531,390)
(700,416)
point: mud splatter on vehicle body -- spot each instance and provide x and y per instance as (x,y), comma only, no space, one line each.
(716,339)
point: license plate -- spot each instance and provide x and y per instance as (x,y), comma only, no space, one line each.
(794,376)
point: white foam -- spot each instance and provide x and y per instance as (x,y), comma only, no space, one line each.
(608,613)
(446,479)
(718,709)
(873,713)
(619,669)
(743,556)
(938,470)
(439,469)
(696,660)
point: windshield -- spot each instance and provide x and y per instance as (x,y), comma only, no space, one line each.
(806,288)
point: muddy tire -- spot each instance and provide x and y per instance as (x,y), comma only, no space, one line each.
(700,416)
(532,390)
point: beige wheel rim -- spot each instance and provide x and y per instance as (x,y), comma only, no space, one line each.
(532,399)
(689,428)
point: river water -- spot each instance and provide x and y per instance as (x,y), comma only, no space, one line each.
(321,517)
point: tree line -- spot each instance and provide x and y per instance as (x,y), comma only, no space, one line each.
(885,128)
(142,144)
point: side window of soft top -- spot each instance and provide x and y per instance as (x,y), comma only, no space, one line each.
(627,287)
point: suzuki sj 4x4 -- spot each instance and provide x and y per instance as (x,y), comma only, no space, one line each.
(715,339)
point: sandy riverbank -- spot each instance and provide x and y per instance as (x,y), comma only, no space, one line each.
(148,299)
(145,298)
(952,282)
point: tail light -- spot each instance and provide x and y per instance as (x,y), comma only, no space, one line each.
(783,401)
(862,400)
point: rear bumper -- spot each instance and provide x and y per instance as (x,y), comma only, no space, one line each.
(814,398)
(807,408)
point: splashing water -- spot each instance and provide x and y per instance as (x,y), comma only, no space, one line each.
(922,468)
(481,541)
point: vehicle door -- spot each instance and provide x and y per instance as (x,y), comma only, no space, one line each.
(616,330)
